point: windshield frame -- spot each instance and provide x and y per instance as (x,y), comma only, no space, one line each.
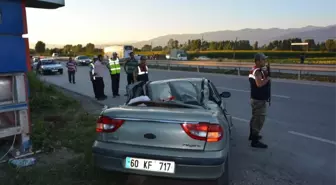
(48,62)
(128,47)
(165,104)
(83,58)
(199,90)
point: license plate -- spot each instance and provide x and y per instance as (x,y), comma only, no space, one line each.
(54,70)
(150,165)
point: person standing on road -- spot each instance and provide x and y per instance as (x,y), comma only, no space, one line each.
(93,77)
(38,65)
(129,67)
(141,72)
(114,68)
(72,68)
(31,62)
(259,83)
(302,58)
(99,68)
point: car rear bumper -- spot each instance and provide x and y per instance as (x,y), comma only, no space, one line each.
(51,70)
(188,164)
(84,63)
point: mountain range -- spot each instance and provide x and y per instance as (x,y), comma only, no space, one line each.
(263,36)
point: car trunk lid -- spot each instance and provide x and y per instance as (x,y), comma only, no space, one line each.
(155,127)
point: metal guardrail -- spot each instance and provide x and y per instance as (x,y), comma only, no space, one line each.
(299,69)
(294,67)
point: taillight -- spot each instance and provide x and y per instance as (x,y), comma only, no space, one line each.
(204,131)
(107,124)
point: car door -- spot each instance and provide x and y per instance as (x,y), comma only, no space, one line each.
(221,103)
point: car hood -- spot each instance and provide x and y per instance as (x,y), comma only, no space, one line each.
(52,66)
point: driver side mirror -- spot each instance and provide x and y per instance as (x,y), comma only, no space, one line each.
(225,94)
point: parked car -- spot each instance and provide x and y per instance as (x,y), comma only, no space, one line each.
(182,130)
(83,60)
(203,58)
(49,66)
(55,55)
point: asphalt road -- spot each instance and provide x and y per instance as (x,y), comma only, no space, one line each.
(300,127)
(327,73)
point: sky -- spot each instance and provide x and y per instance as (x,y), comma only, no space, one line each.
(118,21)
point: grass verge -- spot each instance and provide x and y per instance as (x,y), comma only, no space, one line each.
(310,77)
(59,121)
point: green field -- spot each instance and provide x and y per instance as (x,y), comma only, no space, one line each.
(324,61)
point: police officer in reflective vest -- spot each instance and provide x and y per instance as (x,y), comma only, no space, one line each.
(141,73)
(259,83)
(114,68)
(92,76)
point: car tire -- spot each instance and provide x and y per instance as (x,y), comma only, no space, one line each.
(61,72)
(224,179)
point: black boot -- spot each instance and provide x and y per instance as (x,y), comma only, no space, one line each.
(259,137)
(256,143)
(250,136)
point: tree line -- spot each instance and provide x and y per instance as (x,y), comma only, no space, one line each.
(67,50)
(195,45)
(203,45)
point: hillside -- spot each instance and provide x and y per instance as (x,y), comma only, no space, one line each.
(263,36)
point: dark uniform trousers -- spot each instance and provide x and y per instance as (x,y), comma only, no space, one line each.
(94,85)
(258,116)
(71,76)
(100,86)
(143,77)
(115,79)
(130,79)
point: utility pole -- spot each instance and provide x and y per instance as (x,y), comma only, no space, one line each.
(201,43)
(234,48)
(151,46)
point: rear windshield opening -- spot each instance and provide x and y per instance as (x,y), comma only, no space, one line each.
(160,104)
(183,91)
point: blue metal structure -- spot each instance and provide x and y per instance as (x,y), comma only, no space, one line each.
(14,65)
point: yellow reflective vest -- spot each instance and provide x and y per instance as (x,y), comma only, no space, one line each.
(114,66)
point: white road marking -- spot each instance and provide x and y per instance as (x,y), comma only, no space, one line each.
(313,137)
(239,90)
(267,119)
(240,119)
(294,133)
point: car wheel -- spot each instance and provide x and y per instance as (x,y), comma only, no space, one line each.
(61,72)
(224,179)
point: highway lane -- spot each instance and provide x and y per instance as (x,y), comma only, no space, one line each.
(300,128)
